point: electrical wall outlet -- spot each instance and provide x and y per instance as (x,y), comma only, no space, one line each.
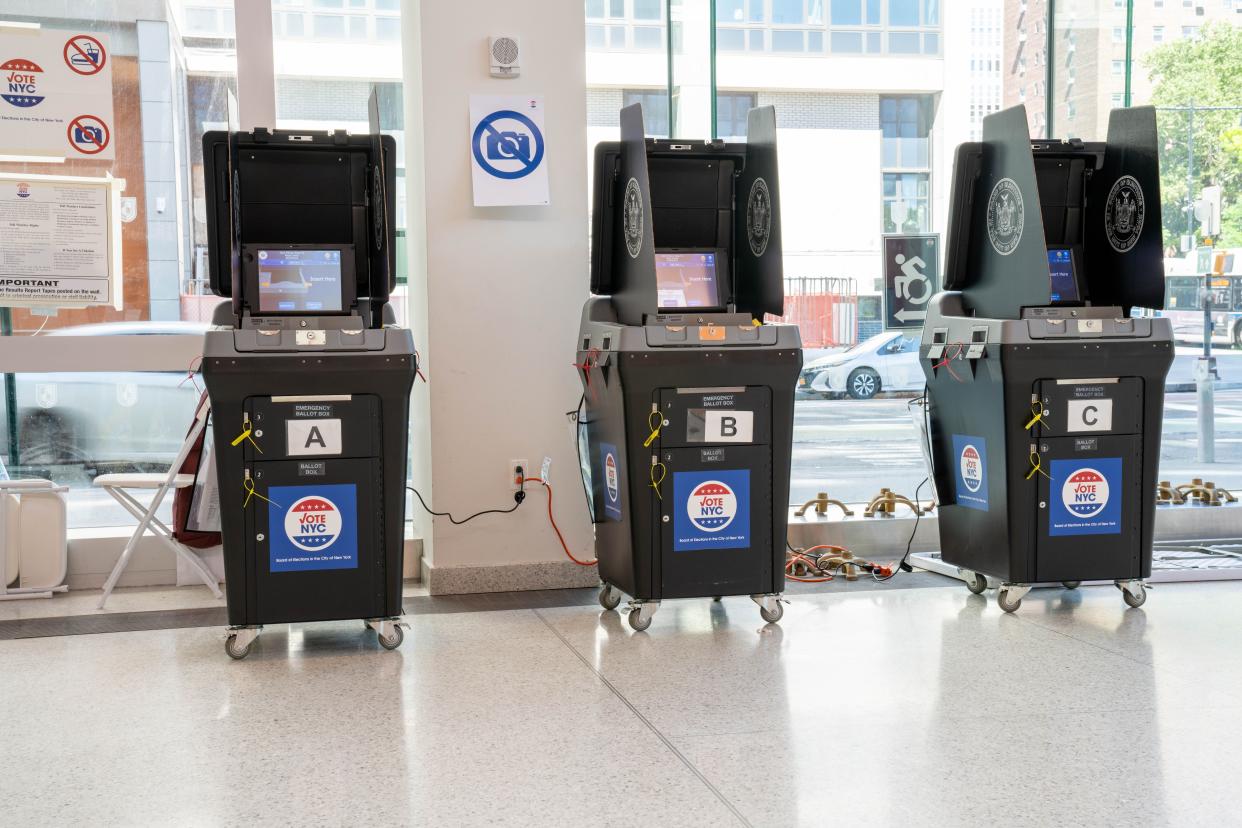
(518,469)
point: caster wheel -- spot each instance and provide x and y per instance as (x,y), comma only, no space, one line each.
(609,598)
(1135,601)
(717,598)
(235,652)
(1005,602)
(1071,584)
(393,642)
(637,622)
(773,615)
(977,583)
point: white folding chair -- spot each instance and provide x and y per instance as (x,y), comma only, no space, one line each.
(118,485)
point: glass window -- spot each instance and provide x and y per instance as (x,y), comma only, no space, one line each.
(1176,70)
(294,25)
(328,89)
(648,37)
(732,109)
(903,43)
(730,40)
(903,12)
(907,203)
(329,25)
(200,21)
(648,9)
(655,109)
(388,28)
(788,11)
(905,124)
(786,41)
(730,11)
(594,8)
(846,42)
(172,69)
(848,12)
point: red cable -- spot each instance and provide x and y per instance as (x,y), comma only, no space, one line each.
(556,528)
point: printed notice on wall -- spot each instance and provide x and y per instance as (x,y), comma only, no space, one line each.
(59,241)
(56,94)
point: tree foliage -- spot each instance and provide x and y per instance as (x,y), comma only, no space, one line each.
(1205,71)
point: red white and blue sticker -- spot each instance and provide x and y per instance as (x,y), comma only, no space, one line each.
(313,527)
(971,457)
(1085,497)
(611,462)
(711,510)
(21,79)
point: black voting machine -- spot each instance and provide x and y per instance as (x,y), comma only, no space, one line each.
(1045,393)
(688,396)
(309,384)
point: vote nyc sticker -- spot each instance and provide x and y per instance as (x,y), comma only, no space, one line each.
(972,468)
(313,527)
(612,480)
(1085,497)
(711,509)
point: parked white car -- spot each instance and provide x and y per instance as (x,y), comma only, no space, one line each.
(130,419)
(885,362)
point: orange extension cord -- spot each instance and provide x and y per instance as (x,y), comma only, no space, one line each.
(552,520)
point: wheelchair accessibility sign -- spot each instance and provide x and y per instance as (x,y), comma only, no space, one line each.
(508,152)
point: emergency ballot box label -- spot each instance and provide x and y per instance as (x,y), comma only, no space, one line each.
(711,509)
(1086,497)
(611,462)
(972,471)
(312,437)
(313,527)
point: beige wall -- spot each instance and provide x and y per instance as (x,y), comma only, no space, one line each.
(496,293)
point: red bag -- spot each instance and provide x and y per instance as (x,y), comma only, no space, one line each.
(183,498)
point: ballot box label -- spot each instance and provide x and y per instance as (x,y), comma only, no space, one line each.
(972,471)
(1086,497)
(313,527)
(312,437)
(711,509)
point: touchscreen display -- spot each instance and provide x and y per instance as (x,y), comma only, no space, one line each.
(1061,272)
(300,281)
(686,280)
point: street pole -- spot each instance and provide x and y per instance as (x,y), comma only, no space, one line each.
(1205,379)
(1190,173)
(10,394)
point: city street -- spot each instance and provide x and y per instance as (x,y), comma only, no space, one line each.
(851,448)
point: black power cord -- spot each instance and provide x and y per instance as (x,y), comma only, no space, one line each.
(903,565)
(576,415)
(518,497)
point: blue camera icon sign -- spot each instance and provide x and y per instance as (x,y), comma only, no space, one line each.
(88,135)
(507,136)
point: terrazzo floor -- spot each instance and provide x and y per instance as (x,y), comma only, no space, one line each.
(924,706)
